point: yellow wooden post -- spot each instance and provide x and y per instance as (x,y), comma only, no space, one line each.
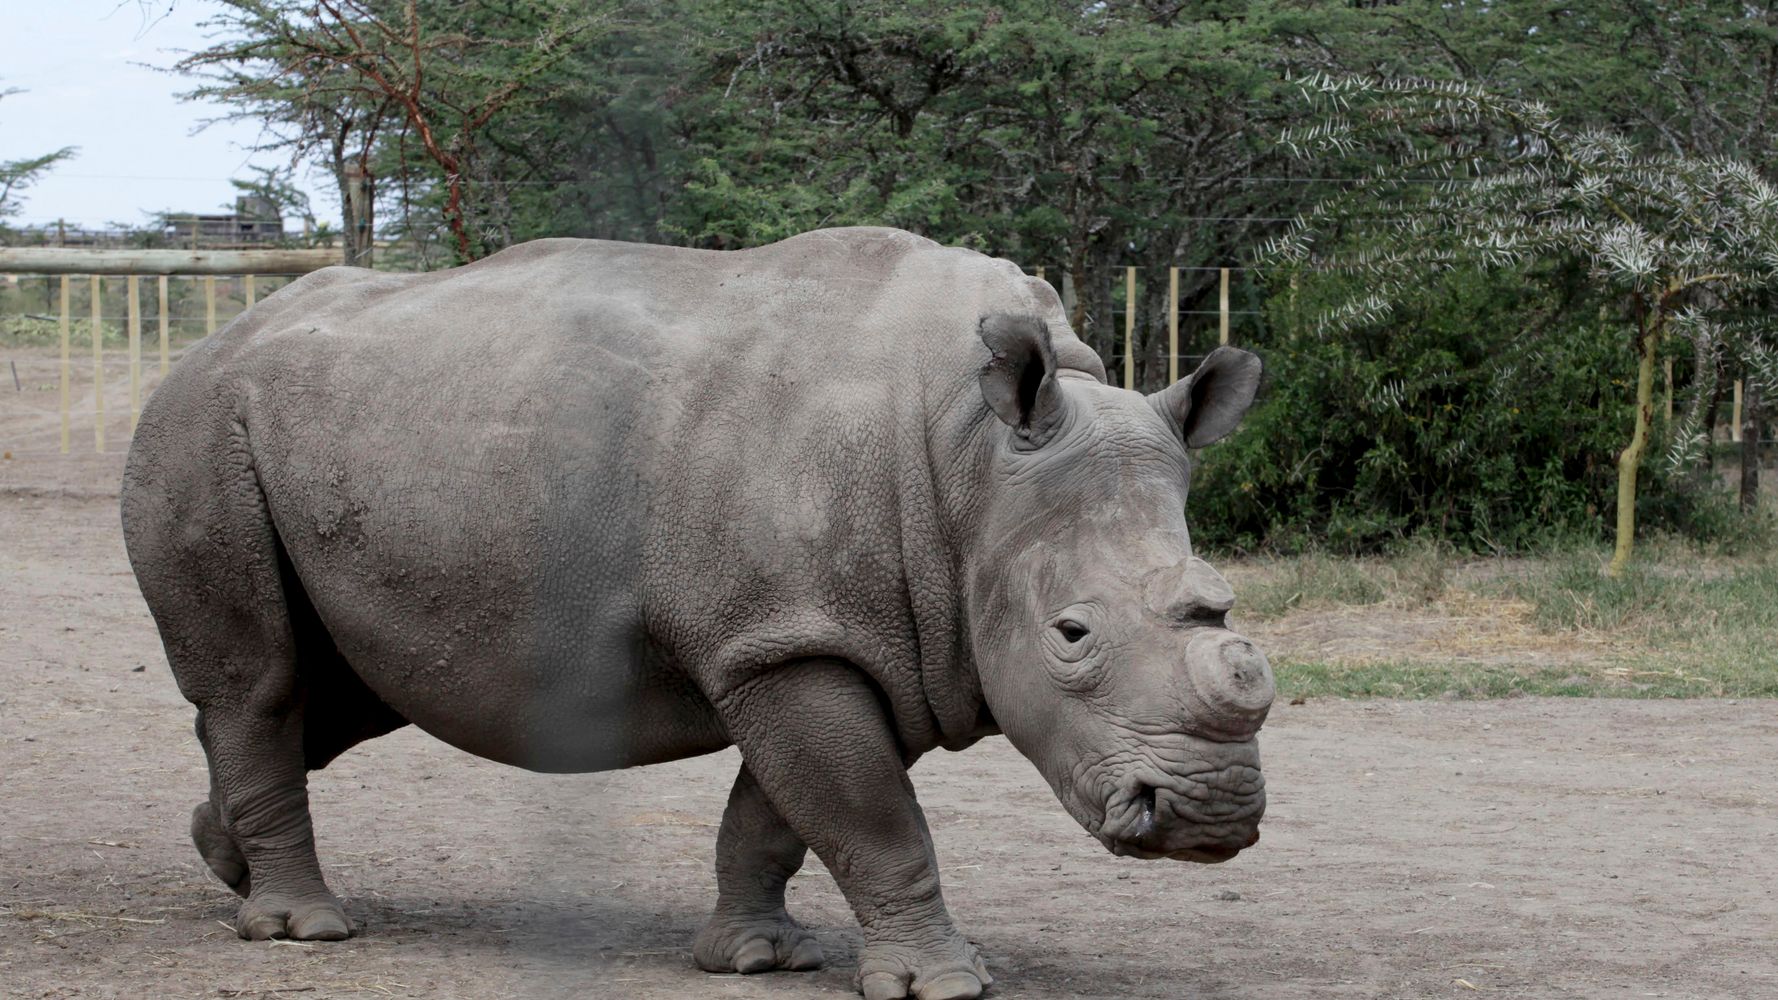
(1129,328)
(1223,306)
(1668,366)
(251,295)
(1172,325)
(1294,318)
(98,369)
(1735,419)
(161,287)
(209,304)
(1040,272)
(134,291)
(67,369)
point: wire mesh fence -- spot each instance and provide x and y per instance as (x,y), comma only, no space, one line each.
(79,333)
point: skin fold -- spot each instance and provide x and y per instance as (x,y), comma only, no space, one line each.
(838,501)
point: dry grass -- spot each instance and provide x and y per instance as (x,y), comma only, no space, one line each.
(1425,623)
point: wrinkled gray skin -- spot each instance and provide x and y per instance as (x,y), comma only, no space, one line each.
(838,501)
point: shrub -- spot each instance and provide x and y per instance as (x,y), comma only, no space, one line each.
(1486,415)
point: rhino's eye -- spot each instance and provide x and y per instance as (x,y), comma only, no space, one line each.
(1072,631)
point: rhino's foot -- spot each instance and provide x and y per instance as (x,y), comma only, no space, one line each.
(952,972)
(219,850)
(314,917)
(758,944)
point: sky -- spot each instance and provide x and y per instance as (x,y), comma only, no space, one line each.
(79,63)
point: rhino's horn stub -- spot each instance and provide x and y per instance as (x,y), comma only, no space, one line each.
(1191,590)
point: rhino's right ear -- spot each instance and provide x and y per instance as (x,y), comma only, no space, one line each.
(1019,380)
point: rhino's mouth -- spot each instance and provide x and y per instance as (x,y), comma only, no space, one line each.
(1207,816)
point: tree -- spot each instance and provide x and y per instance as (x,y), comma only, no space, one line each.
(341,72)
(1669,236)
(307,106)
(1085,135)
(17,176)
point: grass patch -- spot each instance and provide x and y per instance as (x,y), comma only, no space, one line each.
(1417,575)
(1456,680)
(1682,621)
(1310,581)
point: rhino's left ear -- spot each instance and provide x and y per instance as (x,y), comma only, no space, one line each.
(1019,380)
(1210,402)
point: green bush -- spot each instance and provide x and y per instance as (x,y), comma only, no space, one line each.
(1486,414)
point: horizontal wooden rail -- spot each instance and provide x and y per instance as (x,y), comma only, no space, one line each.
(73,260)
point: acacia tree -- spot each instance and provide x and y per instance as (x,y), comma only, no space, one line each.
(306,106)
(1669,237)
(18,175)
(1084,136)
(342,72)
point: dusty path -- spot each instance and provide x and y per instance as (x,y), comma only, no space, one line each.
(1525,848)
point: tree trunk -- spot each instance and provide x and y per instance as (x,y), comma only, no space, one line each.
(1630,459)
(1151,330)
(359,192)
(1712,413)
(1077,287)
(1750,435)
(1101,331)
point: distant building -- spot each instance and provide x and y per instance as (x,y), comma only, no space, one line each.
(255,220)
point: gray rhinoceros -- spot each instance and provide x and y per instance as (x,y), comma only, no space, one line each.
(837,501)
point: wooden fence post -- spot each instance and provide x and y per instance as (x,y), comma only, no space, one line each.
(67,369)
(1668,365)
(98,368)
(134,291)
(209,304)
(1172,325)
(250,293)
(1129,328)
(161,287)
(1040,272)
(1223,327)
(1735,420)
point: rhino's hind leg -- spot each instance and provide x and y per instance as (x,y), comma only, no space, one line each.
(256,762)
(756,854)
(340,712)
(229,609)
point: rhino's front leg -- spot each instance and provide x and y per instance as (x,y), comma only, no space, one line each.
(756,853)
(814,736)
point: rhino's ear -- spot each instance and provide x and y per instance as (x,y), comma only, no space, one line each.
(1207,404)
(1019,380)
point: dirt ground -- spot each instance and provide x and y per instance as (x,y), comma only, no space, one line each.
(1521,848)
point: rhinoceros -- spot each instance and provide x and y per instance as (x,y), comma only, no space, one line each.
(837,501)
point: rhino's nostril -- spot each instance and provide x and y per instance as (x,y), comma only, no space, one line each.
(1145,821)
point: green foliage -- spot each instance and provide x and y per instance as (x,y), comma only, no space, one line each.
(1479,416)
(413,84)
(1575,148)
(1664,236)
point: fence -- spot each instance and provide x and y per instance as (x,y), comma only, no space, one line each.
(76,267)
(248,267)
(1173,313)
